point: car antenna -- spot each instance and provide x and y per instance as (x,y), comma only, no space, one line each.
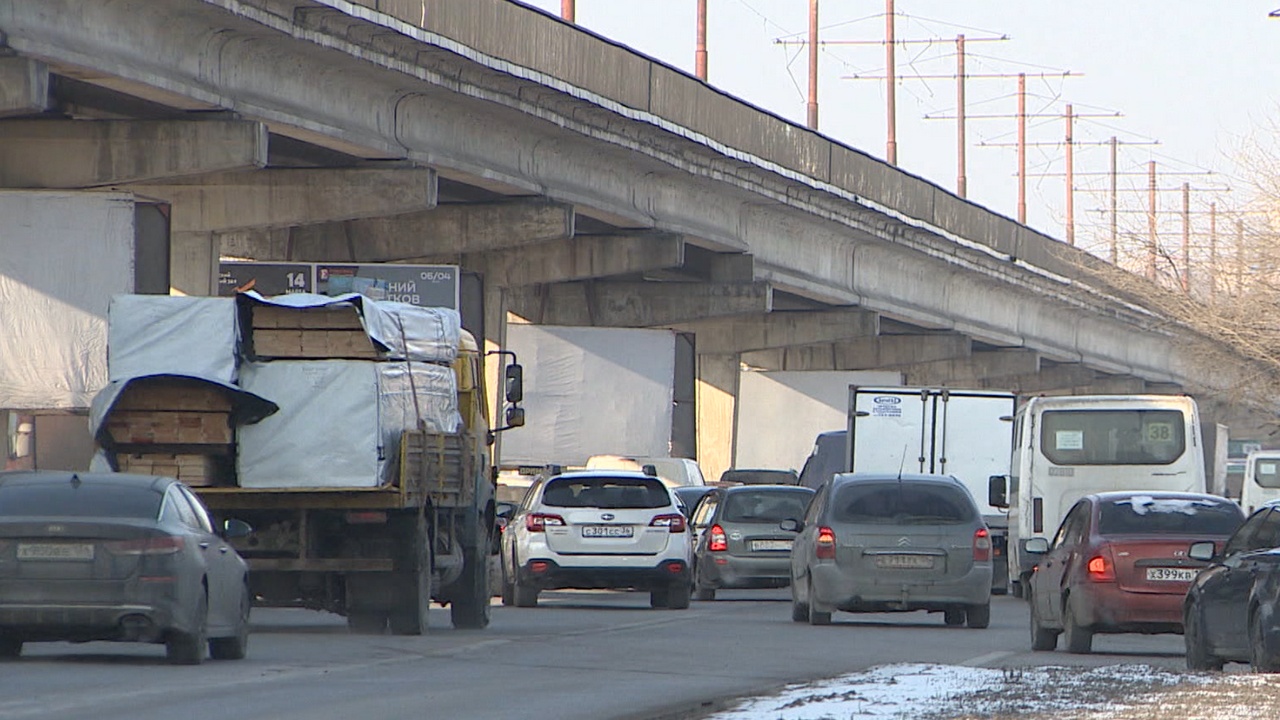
(75,480)
(902,463)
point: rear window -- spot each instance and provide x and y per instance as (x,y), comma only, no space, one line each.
(901,503)
(760,477)
(62,499)
(764,507)
(609,493)
(1142,515)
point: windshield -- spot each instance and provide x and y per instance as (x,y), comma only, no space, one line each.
(1266,472)
(608,493)
(765,506)
(901,503)
(1142,514)
(63,499)
(1112,437)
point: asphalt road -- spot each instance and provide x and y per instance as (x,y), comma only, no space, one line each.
(587,655)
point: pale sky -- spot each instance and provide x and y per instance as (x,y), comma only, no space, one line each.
(1196,75)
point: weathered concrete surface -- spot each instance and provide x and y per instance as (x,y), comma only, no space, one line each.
(24,86)
(580,258)
(778,329)
(92,153)
(288,197)
(871,353)
(717,393)
(636,304)
(974,371)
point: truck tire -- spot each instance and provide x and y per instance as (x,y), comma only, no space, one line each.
(409,615)
(469,607)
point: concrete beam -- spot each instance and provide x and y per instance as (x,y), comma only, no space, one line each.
(636,304)
(452,230)
(579,258)
(974,370)
(781,329)
(288,197)
(889,351)
(93,153)
(24,87)
(1048,380)
(1112,385)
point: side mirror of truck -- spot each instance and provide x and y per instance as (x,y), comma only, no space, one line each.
(998,491)
(515,383)
(515,417)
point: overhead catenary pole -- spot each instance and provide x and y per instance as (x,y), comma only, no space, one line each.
(1186,237)
(962,182)
(1115,249)
(891,103)
(1152,239)
(1071,182)
(1022,148)
(700,54)
(567,10)
(813,64)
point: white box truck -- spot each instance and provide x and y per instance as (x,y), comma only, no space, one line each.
(1071,446)
(965,433)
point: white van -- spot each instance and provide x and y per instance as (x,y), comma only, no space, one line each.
(1071,446)
(673,472)
(1261,479)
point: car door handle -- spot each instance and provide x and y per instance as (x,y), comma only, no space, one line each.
(223,549)
(204,546)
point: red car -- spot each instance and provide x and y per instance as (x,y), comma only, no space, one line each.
(1118,564)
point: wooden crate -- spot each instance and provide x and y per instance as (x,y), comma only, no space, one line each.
(313,344)
(342,317)
(163,427)
(193,469)
(173,394)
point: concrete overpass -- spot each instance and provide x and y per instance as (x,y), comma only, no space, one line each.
(586,183)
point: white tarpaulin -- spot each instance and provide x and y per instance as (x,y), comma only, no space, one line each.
(592,391)
(62,257)
(168,335)
(326,431)
(402,330)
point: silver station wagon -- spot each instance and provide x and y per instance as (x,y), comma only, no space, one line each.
(874,542)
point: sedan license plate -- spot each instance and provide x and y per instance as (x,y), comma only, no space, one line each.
(905,562)
(607,531)
(55,551)
(770,544)
(1160,574)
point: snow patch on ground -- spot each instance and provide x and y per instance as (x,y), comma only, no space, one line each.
(937,692)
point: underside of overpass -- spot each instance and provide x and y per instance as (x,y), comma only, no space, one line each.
(586,185)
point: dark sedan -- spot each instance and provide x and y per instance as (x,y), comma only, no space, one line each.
(739,541)
(1230,612)
(107,556)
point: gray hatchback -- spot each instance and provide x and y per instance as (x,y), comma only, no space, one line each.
(874,542)
(740,542)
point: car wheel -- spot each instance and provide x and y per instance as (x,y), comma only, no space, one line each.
(1198,655)
(978,616)
(702,592)
(1041,638)
(1077,638)
(508,588)
(817,617)
(659,598)
(1262,653)
(678,596)
(799,610)
(524,596)
(10,647)
(236,646)
(189,648)
(953,616)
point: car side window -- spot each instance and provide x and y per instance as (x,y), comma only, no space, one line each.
(527,501)
(705,509)
(1242,540)
(1072,526)
(815,505)
(202,515)
(1268,535)
(185,514)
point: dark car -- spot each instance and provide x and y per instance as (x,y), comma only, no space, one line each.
(1119,564)
(759,476)
(740,543)
(687,497)
(877,542)
(1230,611)
(107,556)
(827,459)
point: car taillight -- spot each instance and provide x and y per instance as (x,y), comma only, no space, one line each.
(716,540)
(1101,567)
(673,522)
(160,545)
(539,522)
(825,549)
(981,545)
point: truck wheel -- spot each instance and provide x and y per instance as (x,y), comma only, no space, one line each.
(469,608)
(978,616)
(409,615)
(678,596)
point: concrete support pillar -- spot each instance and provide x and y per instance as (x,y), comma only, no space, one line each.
(717,400)
(193,263)
(94,153)
(24,87)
